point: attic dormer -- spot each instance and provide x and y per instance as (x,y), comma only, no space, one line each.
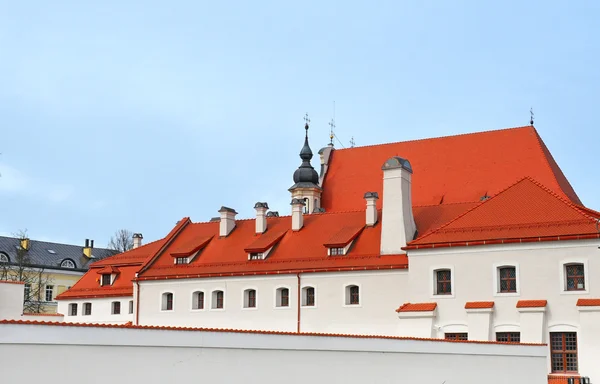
(340,243)
(187,252)
(108,275)
(260,248)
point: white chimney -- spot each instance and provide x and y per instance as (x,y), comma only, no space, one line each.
(297,218)
(371,198)
(261,220)
(397,221)
(227,221)
(137,240)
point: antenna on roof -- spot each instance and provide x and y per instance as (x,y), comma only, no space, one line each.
(332,126)
(352,142)
(531,115)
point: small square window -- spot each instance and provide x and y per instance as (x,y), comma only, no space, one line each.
(181,260)
(456,336)
(508,337)
(106,279)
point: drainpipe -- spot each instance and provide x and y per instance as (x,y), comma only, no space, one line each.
(137,304)
(299,297)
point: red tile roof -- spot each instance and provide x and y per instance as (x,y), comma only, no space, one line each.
(264,241)
(531,303)
(417,307)
(109,269)
(454,169)
(479,304)
(524,210)
(588,302)
(344,236)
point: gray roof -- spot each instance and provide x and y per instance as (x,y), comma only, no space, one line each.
(51,255)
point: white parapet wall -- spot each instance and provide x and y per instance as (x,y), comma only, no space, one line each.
(128,354)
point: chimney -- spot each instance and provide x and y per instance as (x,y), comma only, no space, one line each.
(227,221)
(261,220)
(91,243)
(137,240)
(25,243)
(371,198)
(87,250)
(397,221)
(297,218)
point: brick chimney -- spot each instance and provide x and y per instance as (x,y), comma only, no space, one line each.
(397,222)
(227,221)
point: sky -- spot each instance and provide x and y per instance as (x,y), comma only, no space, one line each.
(134,114)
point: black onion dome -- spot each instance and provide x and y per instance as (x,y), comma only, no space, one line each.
(306,173)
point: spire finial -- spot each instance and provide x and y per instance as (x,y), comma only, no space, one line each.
(306,123)
(352,142)
(531,115)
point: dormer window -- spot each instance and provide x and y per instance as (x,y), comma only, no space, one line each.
(182,260)
(67,264)
(340,242)
(106,279)
(256,256)
(336,251)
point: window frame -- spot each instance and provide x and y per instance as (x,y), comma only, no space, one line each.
(577,278)
(509,337)
(85,308)
(4,256)
(115,308)
(67,261)
(279,297)
(51,291)
(456,336)
(496,278)
(564,352)
(182,260)
(104,276)
(250,298)
(214,300)
(347,295)
(164,301)
(448,282)
(433,281)
(130,307)
(73,308)
(304,297)
(196,302)
(563,277)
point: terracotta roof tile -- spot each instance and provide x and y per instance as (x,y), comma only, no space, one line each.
(89,285)
(191,246)
(479,304)
(524,210)
(345,235)
(588,302)
(531,303)
(453,169)
(262,242)
(417,307)
(109,269)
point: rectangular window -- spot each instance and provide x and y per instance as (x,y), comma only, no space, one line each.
(106,279)
(181,260)
(169,302)
(199,300)
(87,309)
(256,256)
(130,306)
(310,297)
(220,300)
(508,337)
(575,277)
(563,347)
(456,336)
(252,298)
(443,282)
(49,292)
(27,292)
(508,279)
(354,293)
(336,251)
(73,309)
(116,308)
(285,297)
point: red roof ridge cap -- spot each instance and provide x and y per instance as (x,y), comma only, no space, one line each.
(445,204)
(439,137)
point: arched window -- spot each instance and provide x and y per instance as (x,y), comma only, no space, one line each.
(73,309)
(250,298)
(443,282)
(198,300)
(167,301)
(218,300)
(282,297)
(67,263)
(308,297)
(352,295)
(4,258)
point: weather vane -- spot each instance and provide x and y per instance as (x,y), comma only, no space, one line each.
(531,116)
(306,121)
(352,142)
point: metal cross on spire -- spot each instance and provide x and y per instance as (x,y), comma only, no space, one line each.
(306,121)
(531,115)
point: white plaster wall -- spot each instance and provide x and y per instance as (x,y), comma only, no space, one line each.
(374,315)
(539,277)
(101,311)
(159,356)
(11,300)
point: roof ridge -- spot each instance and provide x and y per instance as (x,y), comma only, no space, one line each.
(52,242)
(446,204)
(541,146)
(284,216)
(118,255)
(438,137)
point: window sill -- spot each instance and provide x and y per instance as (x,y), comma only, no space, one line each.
(308,306)
(281,307)
(436,296)
(352,305)
(166,310)
(197,310)
(249,308)
(217,309)
(580,292)
(507,294)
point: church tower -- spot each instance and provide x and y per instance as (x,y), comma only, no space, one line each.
(306,179)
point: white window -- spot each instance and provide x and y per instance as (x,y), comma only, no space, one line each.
(352,295)
(4,258)
(574,277)
(49,292)
(218,300)
(167,301)
(67,264)
(282,297)
(87,309)
(198,300)
(116,308)
(27,292)
(250,298)
(130,306)
(336,251)
(73,309)
(506,279)
(181,260)
(308,297)
(256,256)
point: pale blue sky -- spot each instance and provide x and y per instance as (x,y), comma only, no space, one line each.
(133,114)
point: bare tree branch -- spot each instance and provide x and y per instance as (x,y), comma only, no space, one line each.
(121,241)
